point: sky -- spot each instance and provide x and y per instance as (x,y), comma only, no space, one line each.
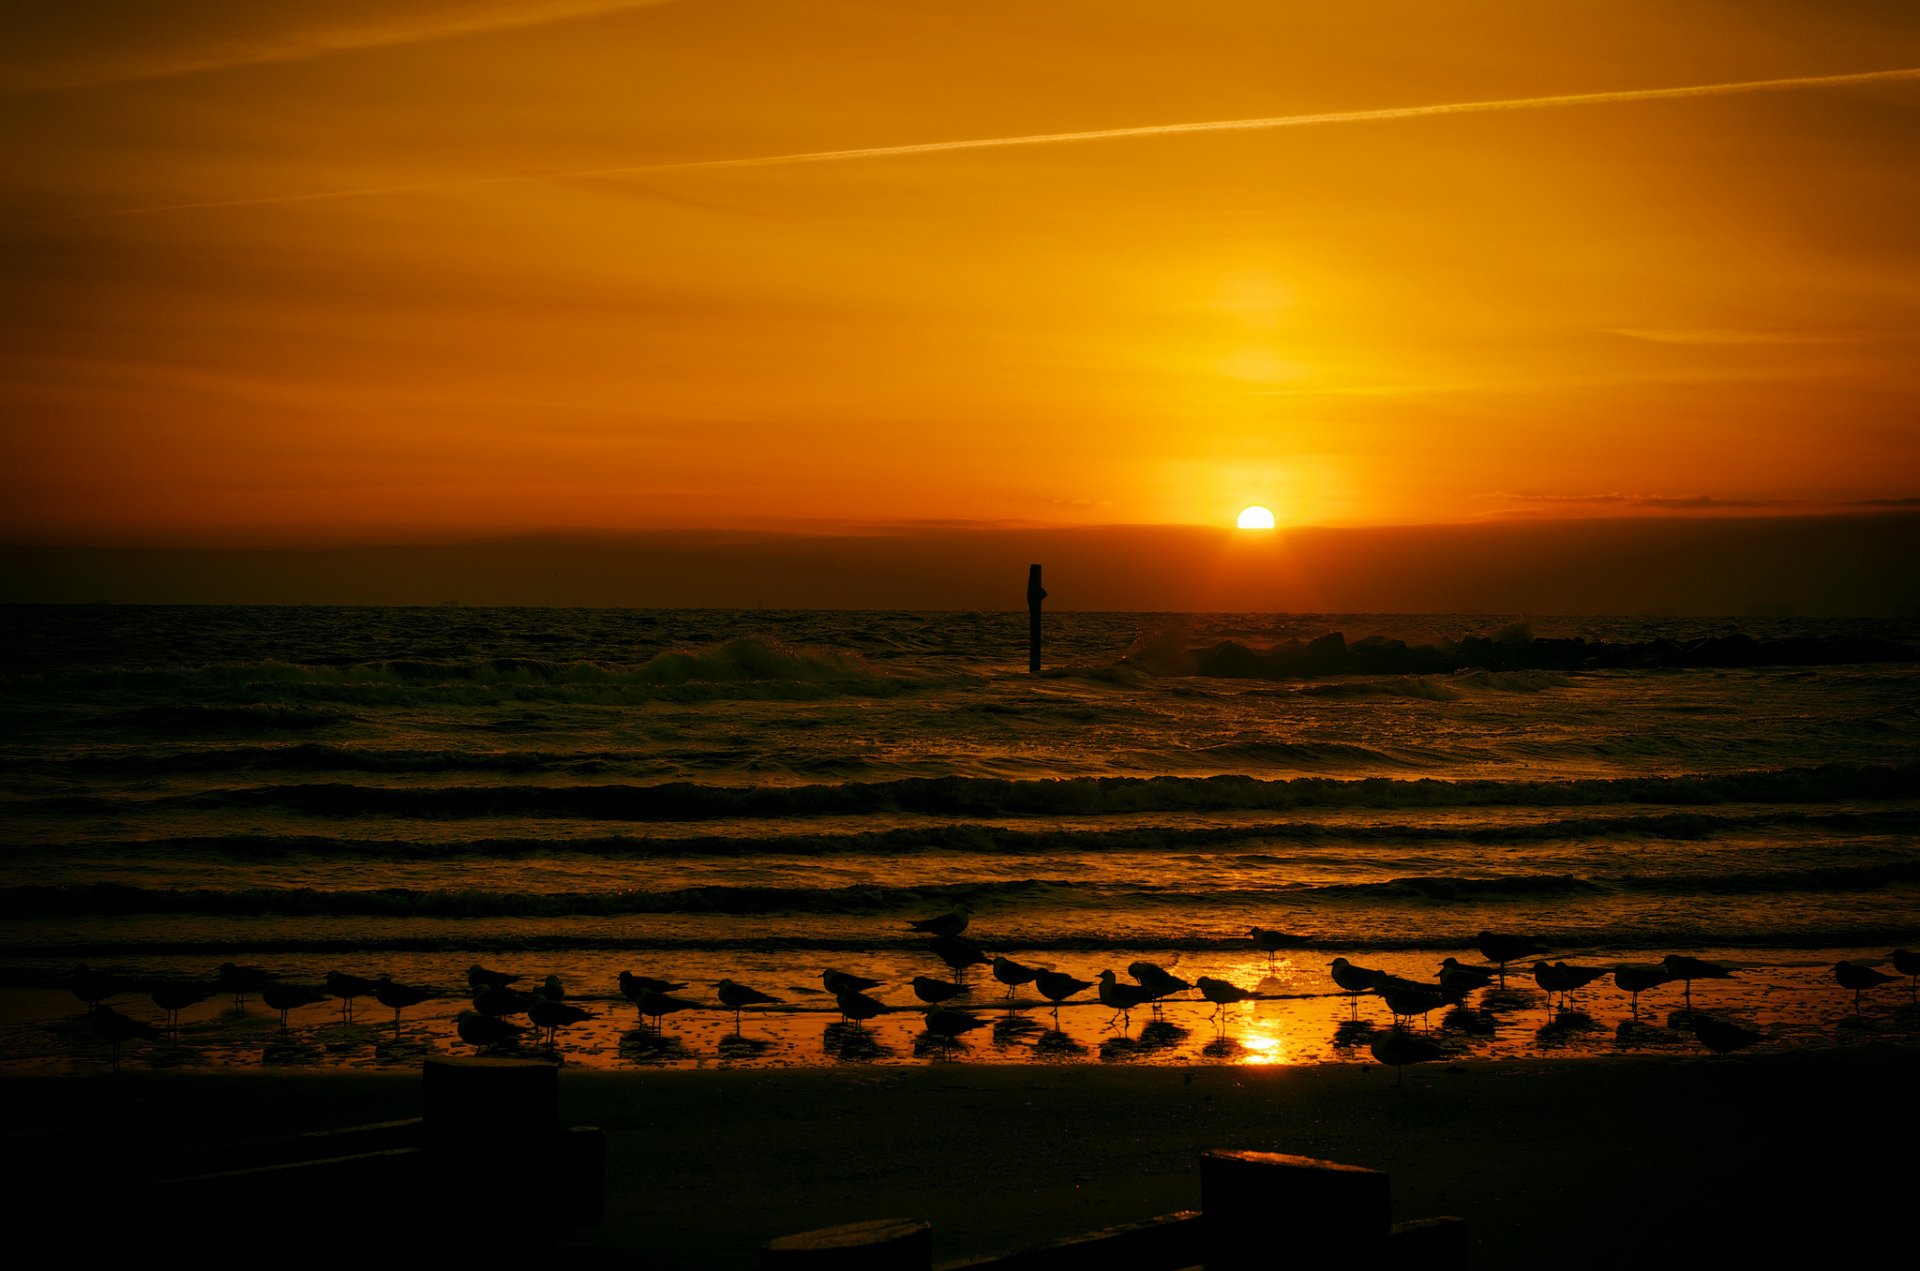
(339,273)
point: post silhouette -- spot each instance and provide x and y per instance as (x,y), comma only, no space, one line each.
(1035,594)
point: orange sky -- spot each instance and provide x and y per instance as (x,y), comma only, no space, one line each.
(540,313)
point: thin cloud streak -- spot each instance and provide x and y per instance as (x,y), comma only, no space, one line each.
(1265,124)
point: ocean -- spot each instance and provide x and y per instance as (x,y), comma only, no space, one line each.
(763,794)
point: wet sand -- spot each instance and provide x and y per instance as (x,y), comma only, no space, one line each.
(1631,1161)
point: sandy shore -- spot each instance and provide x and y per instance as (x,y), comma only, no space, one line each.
(1650,1161)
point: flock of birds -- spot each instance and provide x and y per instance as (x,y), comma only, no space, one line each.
(495,1002)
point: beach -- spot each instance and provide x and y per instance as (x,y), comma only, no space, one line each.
(1607,1162)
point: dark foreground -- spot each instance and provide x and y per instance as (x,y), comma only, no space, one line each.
(1635,1162)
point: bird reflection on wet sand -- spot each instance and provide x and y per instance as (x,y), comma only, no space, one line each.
(849,1043)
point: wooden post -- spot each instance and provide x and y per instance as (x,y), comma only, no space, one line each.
(1262,1209)
(1035,594)
(886,1244)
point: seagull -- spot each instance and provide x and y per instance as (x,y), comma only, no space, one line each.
(1407,997)
(1221,993)
(399,997)
(739,995)
(241,981)
(1457,980)
(484,1031)
(1013,974)
(1721,1037)
(94,987)
(1401,1048)
(478,977)
(1502,947)
(287,997)
(660,1005)
(1859,979)
(1681,967)
(1057,987)
(1121,997)
(1157,981)
(1908,964)
(1636,980)
(1269,941)
(958,953)
(552,989)
(174,998)
(633,987)
(347,987)
(1353,979)
(947,924)
(1573,977)
(841,982)
(114,1027)
(552,1016)
(501,1002)
(857,1006)
(933,992)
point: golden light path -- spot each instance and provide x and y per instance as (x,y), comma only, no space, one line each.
(1256,517)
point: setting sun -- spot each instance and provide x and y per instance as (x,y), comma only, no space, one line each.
(1256,517)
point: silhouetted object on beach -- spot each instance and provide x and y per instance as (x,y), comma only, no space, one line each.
(485,1031)
(1035,594)
(1908,964)
(94,987)
(1635,980)
(947,924)
(1157,981)
(552,989)
(1859,979)
(1503,947)
(1222,993)
(398,997)
(1013,974)
(242,981)
(1563,979)
(479,977)
(1123,998)
(1398,1049)
(843,982)
(1682,967)
(553,1016)
(932,991)
(347,987)
(500,1003)
(657,1006)
(174,998)
(958,953)
(1407,998)
(1457,981)
(1720,1037)
(738,996)
(289,997)
(633,987)
(1057,987)
(1270,942)
(113,1027)
(856,1007)
(1353,979)
(950,1025)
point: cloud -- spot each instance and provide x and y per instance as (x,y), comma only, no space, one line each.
(1268,123)
(1616,500)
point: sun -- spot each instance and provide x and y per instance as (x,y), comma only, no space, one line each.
(1256,517)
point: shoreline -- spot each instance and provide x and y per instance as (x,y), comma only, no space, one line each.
(1648,1159)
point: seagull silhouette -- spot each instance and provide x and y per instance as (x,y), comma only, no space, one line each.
(843,982)
(1222,993)
(398,997)
(501,1002)
(661,1005)
(950,1025)
(287,997)
(1123,998)
(1504,947)
(554,1016)
(113,1027)
(857,1006)
(1270,941)
(1682,967)
(242,981)
(174,998)
(1407,998)
(485,1031)
(1157,981)
(634,987)
(958,953)
(1013,974)
(933,992)
(347,987)
(1456,980)
(480,977)
(1859,979)
(1907,963)
(1635,980)
(947,924)
(94,987)
(1057,987)
(739,995)
(1398,1049)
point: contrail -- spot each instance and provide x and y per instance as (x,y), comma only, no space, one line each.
(1264,124)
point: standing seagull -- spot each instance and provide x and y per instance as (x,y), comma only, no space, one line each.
(947,924)
(1456,980)
(553,1016)
(1157,981)
(1400,1049)
(660,1005)
(858,1007)
(1121,997)
(1908,964)
(1859,979)
(346,987)
(174,998)
(1503,947)
(933,992)
(479,977)
(958,953)
(1353,980)
(484,1031)
(1682,967)
(949,1025)
(1221,993)
(1270,942)
(116,1028)
(1057,987)
(94,987)
(287,997)
(739,995)
(398,997)
(1013,974)
(1635,980)
(843,982)
(242,980)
